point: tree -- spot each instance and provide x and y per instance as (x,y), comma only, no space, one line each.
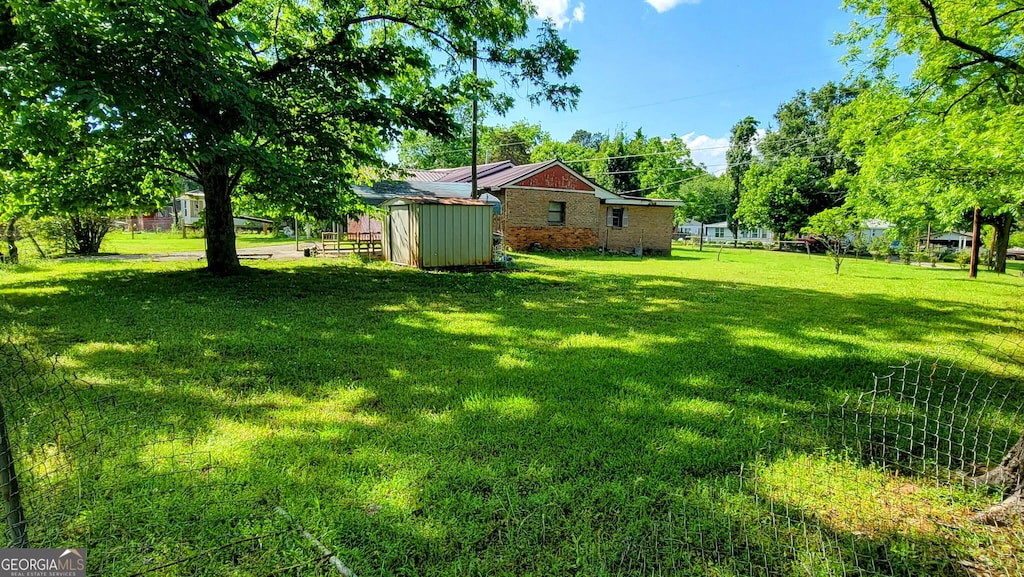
(642,166)
(514,142)
(739,157)
(921,141)
(288,101)
(778,195)
(75,178)
(707,199)
(587,139)
(831,227)
(803,139)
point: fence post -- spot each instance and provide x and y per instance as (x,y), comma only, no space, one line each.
(9,487)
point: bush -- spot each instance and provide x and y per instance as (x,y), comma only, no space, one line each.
(79,233)
(963,258)
(879,247)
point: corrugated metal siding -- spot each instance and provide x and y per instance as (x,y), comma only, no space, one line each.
(399,237)
(452,235)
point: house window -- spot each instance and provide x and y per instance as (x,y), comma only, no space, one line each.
(719,232)
(616,217)
(556,213)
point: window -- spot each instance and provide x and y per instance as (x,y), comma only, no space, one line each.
(719,232)
(616,217)
(556,213)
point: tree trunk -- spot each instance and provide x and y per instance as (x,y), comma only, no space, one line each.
(221,258)
(1001,242)
(10,235)
(975,243)
(1009,474)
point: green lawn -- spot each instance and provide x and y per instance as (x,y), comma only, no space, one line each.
(579,415)
(163,242)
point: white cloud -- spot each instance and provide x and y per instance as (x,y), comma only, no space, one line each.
(558,11)
(711,152)
(663,6)
(577,13)
(708,151)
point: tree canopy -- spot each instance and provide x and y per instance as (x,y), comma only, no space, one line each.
(793,178)
(947,142)
(286,100)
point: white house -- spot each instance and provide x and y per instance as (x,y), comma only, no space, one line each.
(689,229)
(720,232)
(874,228)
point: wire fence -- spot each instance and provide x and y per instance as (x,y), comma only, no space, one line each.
(138,495)
(947,420)
(90,470)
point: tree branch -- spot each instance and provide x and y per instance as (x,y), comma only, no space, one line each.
(221,7)
(285,65)
(964,96)
(984,54)
(409,23)
(995,19)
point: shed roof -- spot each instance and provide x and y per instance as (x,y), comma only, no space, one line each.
(436,200)
(385,190)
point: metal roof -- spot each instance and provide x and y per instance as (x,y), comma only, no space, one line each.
(436,200)
(388,189)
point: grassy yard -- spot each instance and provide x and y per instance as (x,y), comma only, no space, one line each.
(579,415)
(163,242)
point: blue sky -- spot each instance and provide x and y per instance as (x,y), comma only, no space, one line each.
(691,68)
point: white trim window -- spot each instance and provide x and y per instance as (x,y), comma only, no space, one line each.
(556,213)
(618,217)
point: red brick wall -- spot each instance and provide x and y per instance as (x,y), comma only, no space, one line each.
(526,214)
(559,238)
(556,177)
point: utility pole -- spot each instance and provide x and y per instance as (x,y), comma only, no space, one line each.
(975,243)
(473,190)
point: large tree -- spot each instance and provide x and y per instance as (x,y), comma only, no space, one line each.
(781,198)
(779,195)
(286,99)
(639,165)
(951,137)
(514,142)
(739,158)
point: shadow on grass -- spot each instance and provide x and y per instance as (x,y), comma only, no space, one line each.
(545,421)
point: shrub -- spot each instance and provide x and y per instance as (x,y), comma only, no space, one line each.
(963,258)
(79,233)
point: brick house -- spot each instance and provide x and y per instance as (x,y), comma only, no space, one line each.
(548,204)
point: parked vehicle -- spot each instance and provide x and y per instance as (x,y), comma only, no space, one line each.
(1016,253)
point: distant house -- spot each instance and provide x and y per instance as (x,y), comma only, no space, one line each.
(720,232)
(547,205)
(689,229)
(956,240)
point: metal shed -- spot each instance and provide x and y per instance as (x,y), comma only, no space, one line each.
(430,232)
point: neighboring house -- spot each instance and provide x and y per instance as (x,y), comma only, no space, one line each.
(690,228)
(720,232)
(956,240)
(191,206)
(550,205)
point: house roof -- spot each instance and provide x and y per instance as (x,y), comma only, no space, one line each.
(460,174)
(446,182)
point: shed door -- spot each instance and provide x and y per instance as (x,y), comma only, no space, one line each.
(401,243)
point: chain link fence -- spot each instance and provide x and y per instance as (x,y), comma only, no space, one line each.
(81,474)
